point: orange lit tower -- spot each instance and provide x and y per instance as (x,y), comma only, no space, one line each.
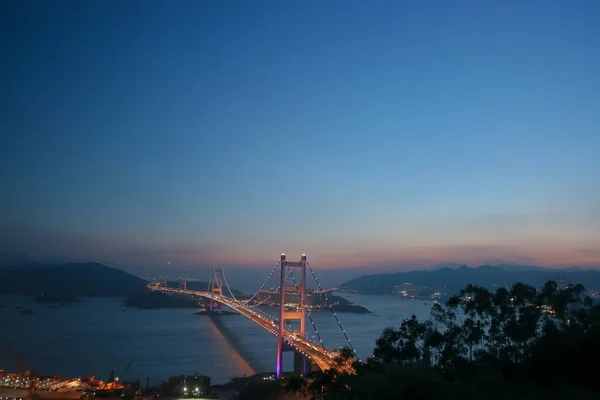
(299,360)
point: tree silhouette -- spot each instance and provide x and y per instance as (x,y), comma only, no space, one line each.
(296,385)
(516,343)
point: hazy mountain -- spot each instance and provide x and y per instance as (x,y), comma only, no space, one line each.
(75,279)
(506,267)
(440,266)
(516,267)
(78,280)
(450,281)
(248,280)
(13,258)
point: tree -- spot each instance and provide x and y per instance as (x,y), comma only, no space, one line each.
(296,385)
(515,343)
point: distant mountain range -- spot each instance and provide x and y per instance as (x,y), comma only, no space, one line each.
(449,281)
(11,258)
(74,279)
(506,267)
(79,280)
(97,279)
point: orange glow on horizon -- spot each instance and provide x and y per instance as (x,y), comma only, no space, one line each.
(544,254)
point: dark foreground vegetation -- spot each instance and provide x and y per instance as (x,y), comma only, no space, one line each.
(520,343)
(449,281)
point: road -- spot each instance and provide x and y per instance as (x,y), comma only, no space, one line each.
(324,358)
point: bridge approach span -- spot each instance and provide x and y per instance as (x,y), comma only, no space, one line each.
(323,358)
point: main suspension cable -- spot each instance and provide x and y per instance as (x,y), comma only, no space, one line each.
(232,295)
(264,283)
(331,309)
(306,308)
(260,303)
(227,284)
(289,327)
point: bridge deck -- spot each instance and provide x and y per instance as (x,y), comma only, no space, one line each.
(324,358)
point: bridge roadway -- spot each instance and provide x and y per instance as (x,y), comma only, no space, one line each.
(324,358)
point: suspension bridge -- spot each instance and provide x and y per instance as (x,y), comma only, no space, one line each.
(307,354)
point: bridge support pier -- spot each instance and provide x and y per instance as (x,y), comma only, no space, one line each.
(299,362)
(216,286)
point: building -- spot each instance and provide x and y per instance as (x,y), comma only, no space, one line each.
(407,290)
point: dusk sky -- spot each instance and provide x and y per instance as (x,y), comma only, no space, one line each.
(363,133)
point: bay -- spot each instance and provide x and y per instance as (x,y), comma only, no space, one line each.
(96,336)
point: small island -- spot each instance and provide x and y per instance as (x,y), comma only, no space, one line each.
(350,308)
(321,300)
(339,304)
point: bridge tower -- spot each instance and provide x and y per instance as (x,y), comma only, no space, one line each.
(183,283)
(299,360)
(216,285)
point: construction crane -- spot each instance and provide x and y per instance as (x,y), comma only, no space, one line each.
(23,365)
(33,385)
(127,369)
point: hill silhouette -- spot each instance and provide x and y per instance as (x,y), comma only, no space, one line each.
(74,279)
(448,280)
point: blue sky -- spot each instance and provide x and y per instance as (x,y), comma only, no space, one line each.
(362,133)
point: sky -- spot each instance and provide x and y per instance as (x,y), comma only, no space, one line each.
(388,134)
